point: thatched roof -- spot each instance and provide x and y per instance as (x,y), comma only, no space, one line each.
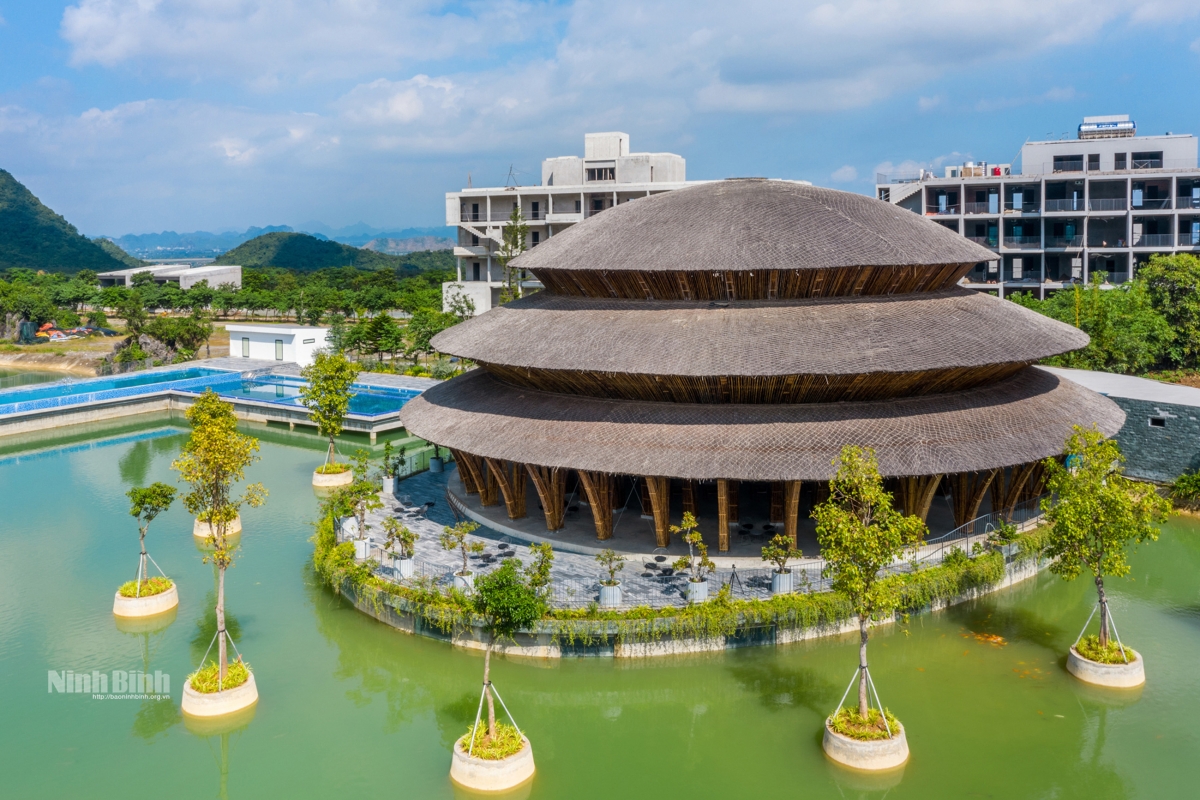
(835,336)
(748,225)
(1018,420)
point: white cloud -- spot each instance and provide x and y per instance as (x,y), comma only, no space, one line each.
(1056,94)
(928,103)
(845,174)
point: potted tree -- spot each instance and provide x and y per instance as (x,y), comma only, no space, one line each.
(860,534)
(458,537)
(401,545)
(610,589)
(213,459)
(779,551)
(696,564)
(498,756)
(327,395)
(361,497)
(436,464)
(146,596)
(1097,514)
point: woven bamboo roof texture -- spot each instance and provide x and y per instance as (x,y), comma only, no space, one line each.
(752,224)
(1021,419)
(834,336)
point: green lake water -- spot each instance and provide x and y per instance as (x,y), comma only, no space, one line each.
(351,708)
(12,378)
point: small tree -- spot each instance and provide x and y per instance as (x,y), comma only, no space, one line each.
(537,574)
(213,459)
(362,495)
(401,542)
(1098,513)
(861,534)
(696,563)
(327,395)
(458,538)
(612,563)
(516,232)
(779,551)
(508,602)
(144,505)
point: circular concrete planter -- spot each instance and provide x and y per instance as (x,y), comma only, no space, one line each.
(464,583)
(782,582)
(146,606)
(336,479)
(1116,676)
(146,624)
(218,704)
(491,776)
(878,754)
(610,596)
(697,591)
(216,726)
(405,567)
(202,530)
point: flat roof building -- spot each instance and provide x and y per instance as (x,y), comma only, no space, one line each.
(1103,202)
(572,190)
(183,274)
(295,343)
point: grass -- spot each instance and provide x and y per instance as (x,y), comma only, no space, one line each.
(150,587)
(847,722)
(1089,648)
(204,680)
(507,742)
(332,468)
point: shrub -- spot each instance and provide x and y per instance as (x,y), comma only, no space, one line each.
(1089,647)
(204,680)
(150,587)
(332,468)
(505,743)
(847,722)
(1184,491)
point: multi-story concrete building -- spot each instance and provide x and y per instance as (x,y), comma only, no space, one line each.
(572,190)
(1103,202)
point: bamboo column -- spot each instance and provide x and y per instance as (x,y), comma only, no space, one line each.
(551,485)
(916,494)
(1008,486)
(489,488)
(791,511)
(723,515)
(735,515)
(510,477)
(598,486)
(659,490)
(689,496)
(969,489)
(468,470)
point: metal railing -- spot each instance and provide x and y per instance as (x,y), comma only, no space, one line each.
(936,210)
(1024,208)
(982,208)
(1155,240)
(1107,204)
(1152,203)
(1064,241)
(1189,240)
(986,241)
(1023,242)
(1073,204)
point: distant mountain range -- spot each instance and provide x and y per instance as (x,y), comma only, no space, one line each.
(300,251)
(198,244)
(33,237)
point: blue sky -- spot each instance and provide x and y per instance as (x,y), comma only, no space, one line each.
(130,116)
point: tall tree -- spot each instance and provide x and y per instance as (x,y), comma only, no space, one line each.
(1097,514)
(860,534)
(213,459)
(327,394)
(1173,283)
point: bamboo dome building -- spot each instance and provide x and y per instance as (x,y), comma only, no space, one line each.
(742,332)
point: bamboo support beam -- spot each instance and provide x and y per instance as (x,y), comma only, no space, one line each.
(468,471)
(659,490)
(969,489)
(776,514)
(723,515)
(598,486)
(916,494)
(689,496)
(1008,486)
(510,477)
(551,485)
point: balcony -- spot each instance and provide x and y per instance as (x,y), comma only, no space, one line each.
(1101,242)
(940,211)
(1189,240)
(1023,242)
(477,251)
(985,241)
(1186,201)
(1108,204)
(1063,242)
(1074,204)
(982,208)
(564,217)
(1024,208)
(1152,203)
(1155,240)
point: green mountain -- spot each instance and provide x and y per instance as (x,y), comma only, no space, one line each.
(299,251)
(34,237)
(114,250)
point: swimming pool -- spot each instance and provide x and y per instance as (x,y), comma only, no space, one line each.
(369,401)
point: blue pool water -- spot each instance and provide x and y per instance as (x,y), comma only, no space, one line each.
(281,389)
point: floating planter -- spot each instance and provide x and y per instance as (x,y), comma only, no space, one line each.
(220,703)
(147,596)
(204,530)
(491,775)
(870,754)
(147,605)
(1118,676)
(329,480)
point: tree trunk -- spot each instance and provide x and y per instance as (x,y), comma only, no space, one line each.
(142,563)
(487,683)
(1103,612)
(222,656)
(862,667)
(329,457)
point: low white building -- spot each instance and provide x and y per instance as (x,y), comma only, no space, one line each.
(294,343)
(184,275)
